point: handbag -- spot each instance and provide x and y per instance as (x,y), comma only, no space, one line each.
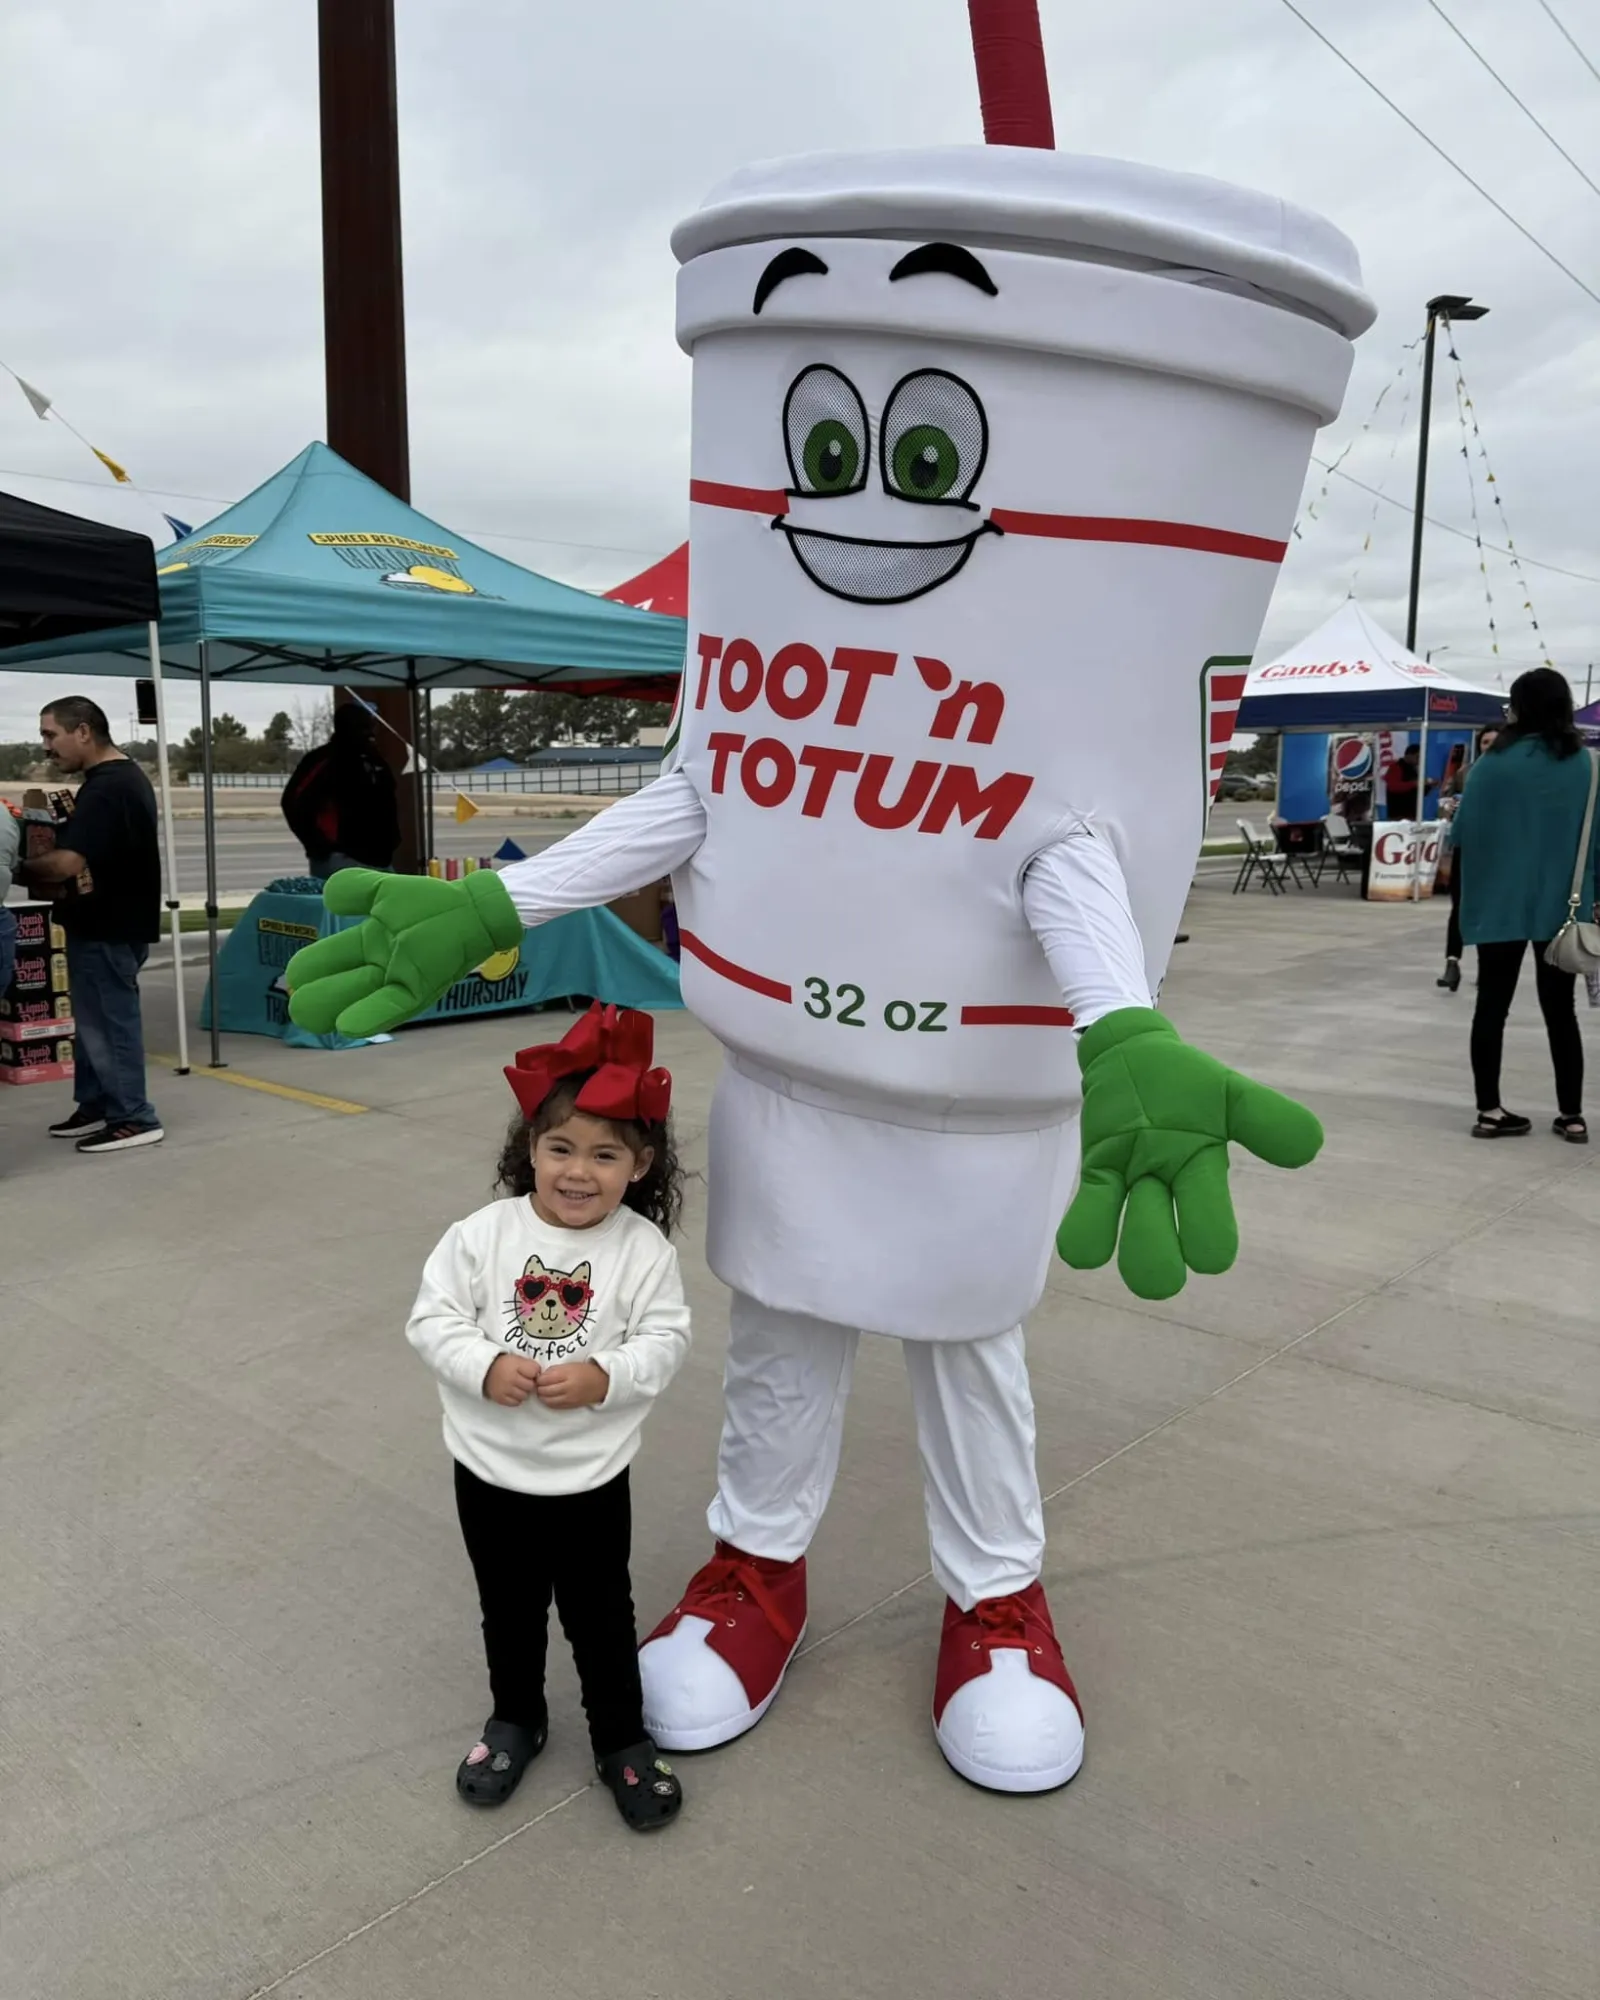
(1576,946)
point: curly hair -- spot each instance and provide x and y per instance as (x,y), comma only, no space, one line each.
(657,1196)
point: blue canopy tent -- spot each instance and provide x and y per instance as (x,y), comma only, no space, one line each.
(320,577)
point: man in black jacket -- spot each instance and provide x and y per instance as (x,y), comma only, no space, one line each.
(105,870)
(340,801)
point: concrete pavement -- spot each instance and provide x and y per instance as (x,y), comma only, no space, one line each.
(1324,1554)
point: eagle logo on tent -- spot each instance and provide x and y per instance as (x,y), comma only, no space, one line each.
(423,576)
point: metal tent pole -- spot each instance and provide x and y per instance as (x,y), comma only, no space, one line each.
(419,766)
(170,845)
(427,737)
(1422,802)
(211,852)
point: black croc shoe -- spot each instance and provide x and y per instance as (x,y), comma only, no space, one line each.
(492,1770)
(643,1784)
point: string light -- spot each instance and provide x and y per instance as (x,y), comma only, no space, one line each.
(1472,490)
(1331,467)
(1412,352)
(1491,485)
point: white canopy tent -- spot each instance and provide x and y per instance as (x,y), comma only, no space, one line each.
(1351,674)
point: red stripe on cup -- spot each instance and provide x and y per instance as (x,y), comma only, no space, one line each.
(1156,534)
(744,499)
(1016,1017)
(737,975)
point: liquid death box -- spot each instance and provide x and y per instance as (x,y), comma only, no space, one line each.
(38,1000)
(45,1060)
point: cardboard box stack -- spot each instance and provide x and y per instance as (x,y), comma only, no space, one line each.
(36,1031)
(641,911)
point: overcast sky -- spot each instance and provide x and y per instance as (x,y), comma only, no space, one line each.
(160,244)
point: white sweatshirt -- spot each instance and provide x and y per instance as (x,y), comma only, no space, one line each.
(504,1282)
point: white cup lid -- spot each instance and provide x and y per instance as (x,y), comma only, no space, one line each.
(1025,198)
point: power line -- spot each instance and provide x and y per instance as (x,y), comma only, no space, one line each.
(1560,24)
(1473,50)
(1532,562)
(1477,186)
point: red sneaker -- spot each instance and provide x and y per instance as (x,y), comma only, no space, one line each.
(1004,1708)
(713,1666)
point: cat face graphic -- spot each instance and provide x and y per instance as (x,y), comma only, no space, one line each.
(551,1305)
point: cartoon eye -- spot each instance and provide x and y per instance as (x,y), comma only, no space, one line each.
(573,1294)
(935,438)
(532,1290)
(825,433)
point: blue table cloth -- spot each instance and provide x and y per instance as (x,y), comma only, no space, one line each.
(591,953)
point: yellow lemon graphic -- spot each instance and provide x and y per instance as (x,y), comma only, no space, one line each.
(439,579)
(501,965)
(167,569)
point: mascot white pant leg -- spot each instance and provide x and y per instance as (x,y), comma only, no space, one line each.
(785,1389)
(994,456)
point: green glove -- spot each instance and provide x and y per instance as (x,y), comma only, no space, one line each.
(420,937)
(1157,1118)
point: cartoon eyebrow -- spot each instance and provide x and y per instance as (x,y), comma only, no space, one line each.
(794,263)
(949,258)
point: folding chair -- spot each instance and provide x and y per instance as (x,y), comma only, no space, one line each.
(1261,860)
(1339,848)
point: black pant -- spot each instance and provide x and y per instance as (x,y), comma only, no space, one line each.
(528,1547)
(1498,966)
(1453,947)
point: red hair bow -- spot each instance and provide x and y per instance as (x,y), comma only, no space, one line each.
(616,1043)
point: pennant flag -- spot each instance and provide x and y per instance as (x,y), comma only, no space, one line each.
(38,401)
(508,850)
(465,809)
(180,529)
(112,467)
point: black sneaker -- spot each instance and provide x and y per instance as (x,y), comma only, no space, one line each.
(118,1138)
(79,1125)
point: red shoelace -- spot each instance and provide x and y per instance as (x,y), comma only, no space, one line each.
(729,1580)
(1014,1621)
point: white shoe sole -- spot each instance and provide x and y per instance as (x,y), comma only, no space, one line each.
(717,1733)
(1049,1780)
(151,1138)
(77,1131)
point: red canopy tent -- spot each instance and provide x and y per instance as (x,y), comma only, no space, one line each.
(663,587)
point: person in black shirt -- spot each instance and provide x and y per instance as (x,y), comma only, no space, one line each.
(340,799)
(105,871)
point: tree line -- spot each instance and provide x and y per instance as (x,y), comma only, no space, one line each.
(470,728)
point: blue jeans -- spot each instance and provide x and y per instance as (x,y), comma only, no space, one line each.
(8,946)
(110,1052)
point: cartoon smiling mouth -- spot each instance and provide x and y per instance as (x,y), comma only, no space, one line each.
(871,571)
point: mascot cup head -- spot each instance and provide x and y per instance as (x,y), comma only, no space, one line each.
(995,454)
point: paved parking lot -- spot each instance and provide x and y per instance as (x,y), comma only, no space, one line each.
(1324,1554)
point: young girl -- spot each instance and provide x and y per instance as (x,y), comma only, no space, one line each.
(551,1319)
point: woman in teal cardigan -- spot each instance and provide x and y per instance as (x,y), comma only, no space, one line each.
(1517,832)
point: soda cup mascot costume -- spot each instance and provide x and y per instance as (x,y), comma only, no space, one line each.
(994,454)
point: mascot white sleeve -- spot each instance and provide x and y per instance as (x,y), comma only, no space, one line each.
(994,456)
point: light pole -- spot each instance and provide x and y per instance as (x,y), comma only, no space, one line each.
(1447,307)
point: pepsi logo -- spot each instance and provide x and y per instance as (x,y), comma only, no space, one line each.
(1352,757)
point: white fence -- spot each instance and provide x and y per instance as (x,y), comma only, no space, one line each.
(603,780)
